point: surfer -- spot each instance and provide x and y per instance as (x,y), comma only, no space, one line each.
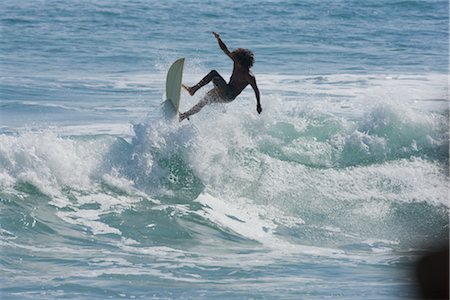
(224,92)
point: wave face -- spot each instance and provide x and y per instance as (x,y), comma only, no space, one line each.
(201,203)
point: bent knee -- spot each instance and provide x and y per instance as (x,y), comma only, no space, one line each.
(214,73)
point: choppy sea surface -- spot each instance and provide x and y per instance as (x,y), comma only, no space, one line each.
(332,192)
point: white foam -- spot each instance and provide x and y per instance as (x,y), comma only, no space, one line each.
(6,180)
(51,162)
(89,219)
(256,222)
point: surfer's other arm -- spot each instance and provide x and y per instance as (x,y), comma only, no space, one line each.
(222,45)
(252,82)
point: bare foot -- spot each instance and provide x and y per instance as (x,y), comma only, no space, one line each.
(188,89)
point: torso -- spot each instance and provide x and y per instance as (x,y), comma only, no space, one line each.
(239,79)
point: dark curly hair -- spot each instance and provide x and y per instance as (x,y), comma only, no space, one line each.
(244,56)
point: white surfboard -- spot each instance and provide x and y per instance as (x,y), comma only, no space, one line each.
(173,83)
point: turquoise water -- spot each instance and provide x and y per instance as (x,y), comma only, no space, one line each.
(332,192)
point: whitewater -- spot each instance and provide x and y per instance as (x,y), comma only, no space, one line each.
(334,191)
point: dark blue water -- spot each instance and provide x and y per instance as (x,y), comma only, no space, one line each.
(332,192)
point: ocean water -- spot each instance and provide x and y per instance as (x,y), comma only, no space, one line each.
(334,191)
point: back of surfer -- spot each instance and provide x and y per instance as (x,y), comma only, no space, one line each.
(226,92)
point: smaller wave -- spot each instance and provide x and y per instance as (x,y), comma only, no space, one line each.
(33,107)
(18,21)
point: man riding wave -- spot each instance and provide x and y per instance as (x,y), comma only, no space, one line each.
(224,92)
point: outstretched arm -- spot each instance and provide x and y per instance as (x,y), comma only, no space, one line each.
(222,45)
(252,82)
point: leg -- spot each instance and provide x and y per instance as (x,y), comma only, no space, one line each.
(195,109)
(212,76)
